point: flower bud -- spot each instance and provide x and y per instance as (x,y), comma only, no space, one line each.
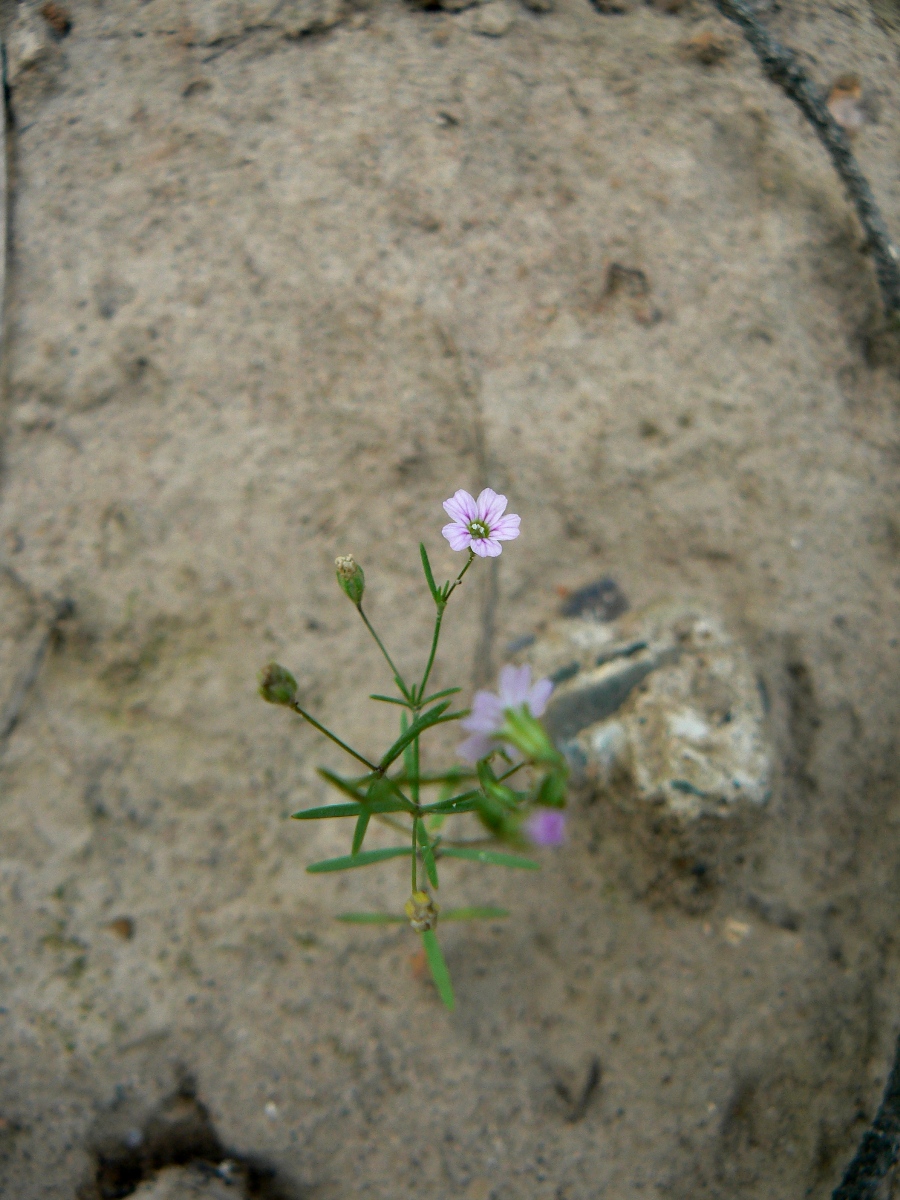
(277,684)
(422,912)
(552,790)
(350,577)
(528,735)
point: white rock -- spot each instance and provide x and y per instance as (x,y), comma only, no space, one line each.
(27,44)
(219,20)
(661,708)
(491,20)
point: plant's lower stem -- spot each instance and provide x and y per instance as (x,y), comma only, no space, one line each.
(414,782)
(415,852)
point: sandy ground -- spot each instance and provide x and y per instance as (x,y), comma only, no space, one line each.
(282,277)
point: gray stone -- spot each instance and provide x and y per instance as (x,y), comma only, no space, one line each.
(491,20)
(661,708)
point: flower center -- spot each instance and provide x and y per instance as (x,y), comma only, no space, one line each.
(479,529)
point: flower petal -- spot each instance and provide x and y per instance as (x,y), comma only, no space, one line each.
(487,547)
(546,827)
(515,685)
(461,507)
(486,715)
(458,536)
(491,507)
(538,697)
(506,528)
(476,747)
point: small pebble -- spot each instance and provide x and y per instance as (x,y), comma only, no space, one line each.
(708,48)
(57,17)
(122,927)
(845,103)
(492,19)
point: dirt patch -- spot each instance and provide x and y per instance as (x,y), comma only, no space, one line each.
(282,278)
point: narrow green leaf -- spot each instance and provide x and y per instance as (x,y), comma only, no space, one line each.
(427,854)
(447,778)
(359,833)
(474,914)
(439,972)
(441,695)
(434,716)
(489,856)
(372,918)
(327,810)
(347,786)
(364,859)
(388,699)
(467,802)
(429,577)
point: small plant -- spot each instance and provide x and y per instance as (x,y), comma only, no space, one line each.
(514,782)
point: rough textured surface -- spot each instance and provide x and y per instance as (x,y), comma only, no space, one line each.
(281,279)
(661,710)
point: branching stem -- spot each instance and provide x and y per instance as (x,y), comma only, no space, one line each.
(398,678)
(332,736)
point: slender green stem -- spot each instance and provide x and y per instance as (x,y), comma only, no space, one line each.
(415,851)
(434,645)
(428,780)
(333,736)
(414,782)
(390,662)
(457,842)
(511,771)
(441,604)
(458,580)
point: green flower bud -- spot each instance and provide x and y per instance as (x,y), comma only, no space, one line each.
(350,577)
(277,684)
(551,792)
(528,735)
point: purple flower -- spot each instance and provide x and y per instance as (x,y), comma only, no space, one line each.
(546,827)
(479,525)
(486,717)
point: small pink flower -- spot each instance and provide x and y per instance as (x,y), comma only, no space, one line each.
(479,525)
(546,827)
(486,717)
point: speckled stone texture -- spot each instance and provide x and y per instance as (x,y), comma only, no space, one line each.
(282,278)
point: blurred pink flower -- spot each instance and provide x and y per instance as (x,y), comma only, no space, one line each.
(546,827)
(479,525)
(486,717)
